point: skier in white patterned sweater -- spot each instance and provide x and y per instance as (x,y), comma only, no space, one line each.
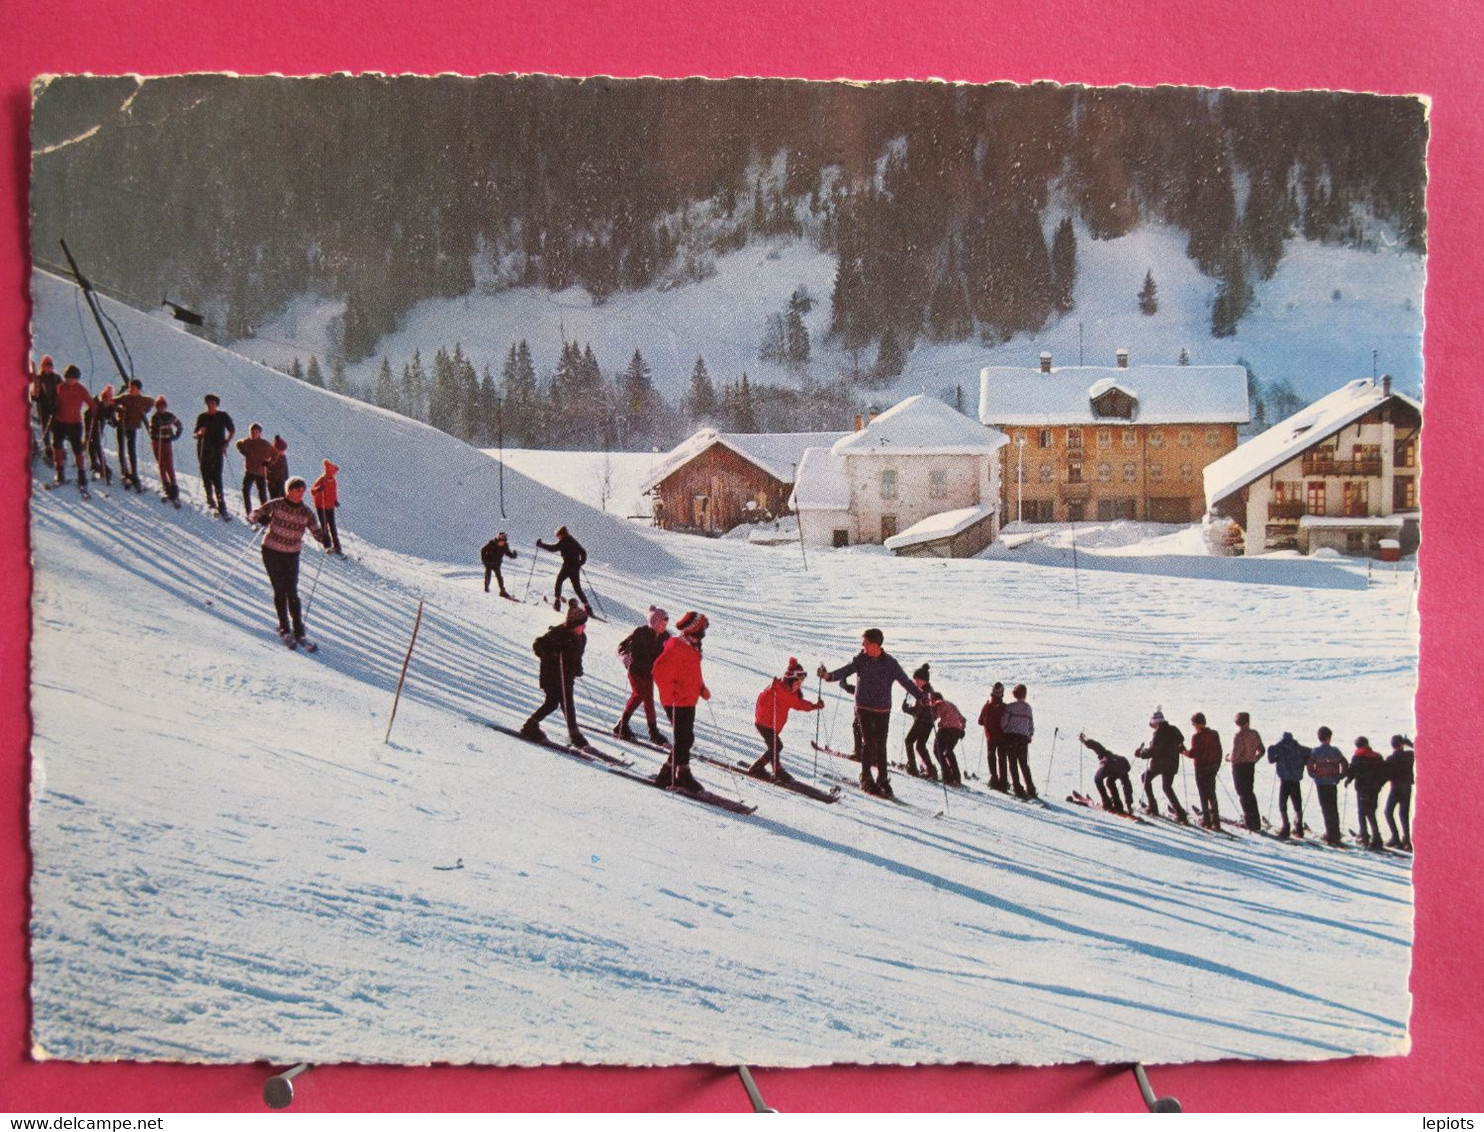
(287,518)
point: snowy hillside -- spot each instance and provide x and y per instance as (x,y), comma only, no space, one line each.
(230,865)
(1314,324)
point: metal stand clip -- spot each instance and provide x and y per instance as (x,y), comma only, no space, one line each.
(1153,1103)
(278,1091)
(758,1104)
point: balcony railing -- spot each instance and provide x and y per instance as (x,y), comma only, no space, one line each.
(1291,511)
(1076,491)
(1323,466)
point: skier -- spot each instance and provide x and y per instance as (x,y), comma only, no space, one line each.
(256,454)
(573,560)
(1112,773)
(951,726)
(1163,752)
(325,492)
(287,518)
(1247,751)
(278,468)
(1327,766)
(560,649)
(214,431)
(991,718)
(68,406)
(100,412)
(1402,765)
(773,705)
(638,651)
(1290,757)
(1020,728)
(164,430)
(875,670)
(1205,752)
(920,708)
(678,680)
(130,411)
(493,554)
(1369,772)
(44,386)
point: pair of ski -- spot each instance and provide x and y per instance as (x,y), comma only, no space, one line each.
(1077,798)
(791,784)
(297,644)
(1196,826)
(891,799)
(82,488)
(619,766)
(557,604)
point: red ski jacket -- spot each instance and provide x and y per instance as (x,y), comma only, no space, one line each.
(776,701)
(1205,748)
(72,399)
(325,492)
(677,674)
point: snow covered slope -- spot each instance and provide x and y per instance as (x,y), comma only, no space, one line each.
(1314,324)
(230,864)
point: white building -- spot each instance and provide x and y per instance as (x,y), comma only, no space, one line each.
(917,460)
(1341,473)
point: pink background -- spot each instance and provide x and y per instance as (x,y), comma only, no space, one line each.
(1431,48)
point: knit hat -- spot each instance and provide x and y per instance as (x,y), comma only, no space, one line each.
(795,670)
(657,616)
(576,615)
(1157,718)
(159,402)
(921,673)
(692,622)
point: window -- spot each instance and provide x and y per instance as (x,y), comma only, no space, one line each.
(1187,472)
(1076,511)
(888,483)
(1048,473)
(1404,453)
(1130,472)
(1043,438)
(1213,438)
(1314,500)
(1130,438)
(1039,511)
(1105,438)
(1356,542)
(888,527)
(1156,473)
(1074,438)
(1357,498)
(1111,509)
(1105,473)
(841,537)
(1186,438)
(1074,473)
(1404,493)
(937,483)
(1156,438)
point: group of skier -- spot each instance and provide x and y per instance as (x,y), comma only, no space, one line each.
(667,667)
(69,416)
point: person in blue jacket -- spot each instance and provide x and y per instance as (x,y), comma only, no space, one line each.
(1290,757)
(875,671)
(1327,767)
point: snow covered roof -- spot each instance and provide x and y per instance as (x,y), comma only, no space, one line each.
(1017,395)
(941,526)
(1289,437)
(921,426)
(1381,522)
(776,453)
(822,484)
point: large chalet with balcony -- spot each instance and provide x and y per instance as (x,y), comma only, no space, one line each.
(1341,473)
(1105,443)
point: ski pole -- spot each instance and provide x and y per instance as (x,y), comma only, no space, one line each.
(238,562)
(315,585)
(598,599)
(531,576)
(416,625)
(721,746)
(1055,735)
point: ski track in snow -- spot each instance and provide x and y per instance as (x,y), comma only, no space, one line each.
(231,865)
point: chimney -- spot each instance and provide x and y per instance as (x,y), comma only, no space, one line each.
(860,422)
(1386,384)
(1122,359)
(872,412)
(1045,362)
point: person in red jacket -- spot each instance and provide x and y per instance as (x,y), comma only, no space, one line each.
(991,718)
(325,492)
(1205,752)
(773,705)
(678,681)
(256,454)
(951,727)
(72,402)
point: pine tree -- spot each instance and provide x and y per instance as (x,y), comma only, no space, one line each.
(795,340)
(1149,295)
(702,406)
(339,383)
(890,358)
(745,418)
(414,392)
(295,369)
(312,375)
(1233,298)
(386,387)
(1064,264)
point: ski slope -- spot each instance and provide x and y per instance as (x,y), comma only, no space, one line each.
(231,864)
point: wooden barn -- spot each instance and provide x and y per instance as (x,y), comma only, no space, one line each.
(715,481)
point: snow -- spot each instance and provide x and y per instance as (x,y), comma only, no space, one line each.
(822,483)
(1014,395)
(922,425)
(1291,436)
(1296,331)
(777,453)
(230,865)
(588,476)
(944,525)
